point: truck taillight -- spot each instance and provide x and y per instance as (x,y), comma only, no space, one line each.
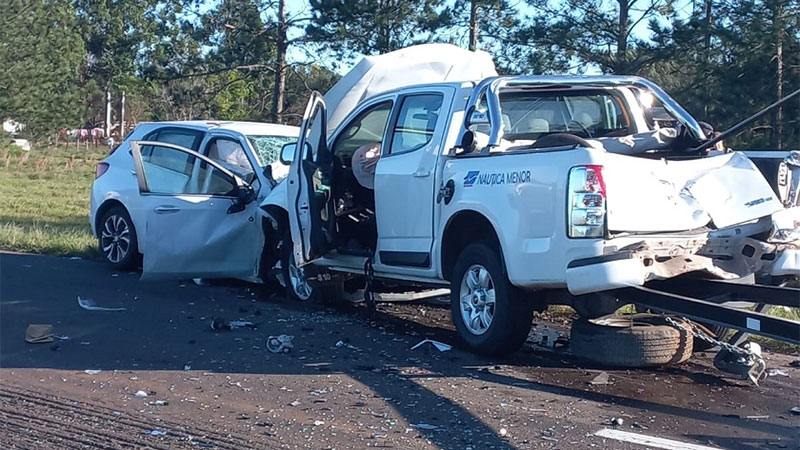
(586,197)
(100,169)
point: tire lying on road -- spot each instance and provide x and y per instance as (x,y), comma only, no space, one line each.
(636,340)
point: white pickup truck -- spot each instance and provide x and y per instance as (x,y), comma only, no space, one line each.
(519,192)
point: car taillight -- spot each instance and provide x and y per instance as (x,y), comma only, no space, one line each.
(100,169)
(586,209)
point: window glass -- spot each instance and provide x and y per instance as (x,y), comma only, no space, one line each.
(367,128)
(416,122)
(183,137)
(594,113)
(164,176)
(230,154)
(176,161)
(268,148)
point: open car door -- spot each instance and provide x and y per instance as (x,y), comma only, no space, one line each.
(311,215)
(200,218)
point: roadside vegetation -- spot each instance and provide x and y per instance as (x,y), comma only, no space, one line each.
(45,196)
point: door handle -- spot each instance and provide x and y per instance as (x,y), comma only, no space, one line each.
(166,209)
(133,172)
(422,173)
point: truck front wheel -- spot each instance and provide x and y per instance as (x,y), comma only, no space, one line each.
(488,313)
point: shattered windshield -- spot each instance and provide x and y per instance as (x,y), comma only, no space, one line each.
(268,148)
(594,113)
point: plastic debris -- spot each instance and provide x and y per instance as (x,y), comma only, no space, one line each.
(615,421)
(441,346)
(280,344)
(341,344)
(757,417)
(187,367)
(158,433)
(39,334)
(199,281)
(90,305)
(159,403)
(240,324)
(318,423)
(425,426)
(503,431)
(601,378)
(777,372)
(140,394)
(795,410)
(92,371)
(61,338)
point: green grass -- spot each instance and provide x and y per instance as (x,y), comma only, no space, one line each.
(45,200)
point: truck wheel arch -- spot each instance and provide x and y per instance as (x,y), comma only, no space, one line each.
(463,228)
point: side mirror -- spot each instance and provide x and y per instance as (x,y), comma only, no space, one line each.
(468,141)
(267,172)
(244,196)
(287,153)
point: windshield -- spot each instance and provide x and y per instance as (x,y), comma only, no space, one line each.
(591,113)
(268,148)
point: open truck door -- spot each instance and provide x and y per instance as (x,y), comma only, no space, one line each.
(201,218)
(311,215)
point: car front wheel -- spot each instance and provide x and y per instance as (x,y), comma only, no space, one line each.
(488,312)
(117,239)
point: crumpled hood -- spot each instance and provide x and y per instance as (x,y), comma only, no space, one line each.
(647,195)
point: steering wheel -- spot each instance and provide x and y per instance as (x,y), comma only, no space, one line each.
(559,140)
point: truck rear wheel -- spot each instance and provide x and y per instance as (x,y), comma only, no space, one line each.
(488,313)
(636,340)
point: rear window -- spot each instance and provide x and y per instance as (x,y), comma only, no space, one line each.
(586,113)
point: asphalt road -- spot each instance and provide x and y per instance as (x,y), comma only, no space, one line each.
(223,389)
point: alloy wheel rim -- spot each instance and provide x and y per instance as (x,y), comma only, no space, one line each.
(297,280)
(477,299)
(115,238)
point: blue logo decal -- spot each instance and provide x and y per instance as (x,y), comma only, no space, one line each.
(472,175)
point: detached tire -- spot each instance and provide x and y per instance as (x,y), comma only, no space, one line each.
(488,312)
(637,340)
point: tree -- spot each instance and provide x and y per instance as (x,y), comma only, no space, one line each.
(727,66)
(41,55)
(598,32)
(352,27)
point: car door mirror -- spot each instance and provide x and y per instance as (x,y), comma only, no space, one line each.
(244,195)
(287,153)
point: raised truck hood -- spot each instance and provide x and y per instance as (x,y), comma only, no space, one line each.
(651,196)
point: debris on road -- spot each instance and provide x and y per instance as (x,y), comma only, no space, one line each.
(601,378)
(159,403)
(187,368)
(158,433)
(425,426)
(140,394)
(90,305)
(340,344)
(777,372)
(92,371)
(219,324)
(240,324)
(441,346)
(39,334)
(795,410)
(280,344)
(614,421)
(503,431)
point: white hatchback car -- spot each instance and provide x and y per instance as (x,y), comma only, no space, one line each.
(185,195)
